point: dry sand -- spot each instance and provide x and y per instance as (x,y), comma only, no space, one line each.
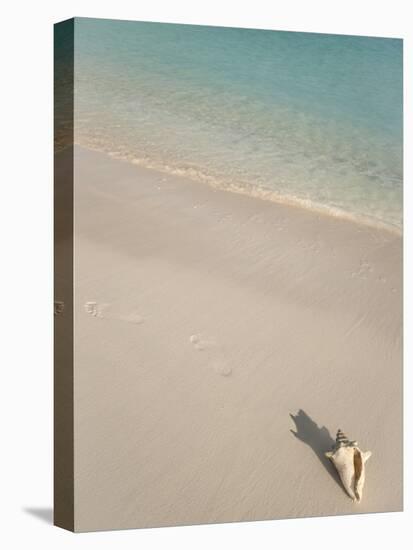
(213,318)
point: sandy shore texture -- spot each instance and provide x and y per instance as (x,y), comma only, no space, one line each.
(220,342)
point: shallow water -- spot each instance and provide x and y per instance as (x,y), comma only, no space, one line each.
(305,118)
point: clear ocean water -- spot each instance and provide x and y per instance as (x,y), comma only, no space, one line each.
(304,118)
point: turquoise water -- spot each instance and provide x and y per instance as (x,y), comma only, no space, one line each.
(298,117)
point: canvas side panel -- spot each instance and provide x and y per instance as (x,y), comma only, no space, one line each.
(63,275)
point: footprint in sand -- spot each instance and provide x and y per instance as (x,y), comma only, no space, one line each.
(134,318)
(221,367)
(91,308)
(104,311)
(215,354)
(96,309)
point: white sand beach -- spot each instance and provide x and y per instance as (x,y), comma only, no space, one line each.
(218,324)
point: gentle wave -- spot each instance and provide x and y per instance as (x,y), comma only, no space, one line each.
(250,190)
(314,120)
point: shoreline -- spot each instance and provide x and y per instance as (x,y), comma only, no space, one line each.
(259,193)
(222,324)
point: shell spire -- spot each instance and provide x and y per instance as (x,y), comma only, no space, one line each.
(342,440)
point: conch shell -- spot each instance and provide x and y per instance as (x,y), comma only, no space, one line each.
(350,463)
